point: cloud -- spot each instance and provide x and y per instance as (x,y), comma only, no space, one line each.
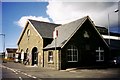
(64,12)
(78,0)
(22,21)
(60,0)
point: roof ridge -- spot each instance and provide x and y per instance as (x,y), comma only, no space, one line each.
(72,21)
(76,20)
(43,21)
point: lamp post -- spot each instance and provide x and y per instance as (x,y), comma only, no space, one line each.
(3,42)
(109,25)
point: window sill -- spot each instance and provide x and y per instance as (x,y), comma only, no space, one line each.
(50,62)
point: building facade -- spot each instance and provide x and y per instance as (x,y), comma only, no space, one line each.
(76,44)
(35,36)
(82,45)
(10,53)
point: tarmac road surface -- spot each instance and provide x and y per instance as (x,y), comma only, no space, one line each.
(23,72)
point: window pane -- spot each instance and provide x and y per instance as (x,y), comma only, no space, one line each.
(69,58)
(72,53)
(69,52)
(50,56)
(100,54)
(97,57)
(74,58)
(75,53)
(102,58)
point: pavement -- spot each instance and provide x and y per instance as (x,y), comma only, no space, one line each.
(41,73)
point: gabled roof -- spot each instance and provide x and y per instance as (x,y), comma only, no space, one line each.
(44,29)
(65,32)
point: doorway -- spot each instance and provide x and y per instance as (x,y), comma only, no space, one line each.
(34,56)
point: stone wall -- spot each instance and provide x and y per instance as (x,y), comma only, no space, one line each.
(55,64)
(35,40)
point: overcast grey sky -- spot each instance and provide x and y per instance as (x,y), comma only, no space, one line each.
(63,12)
(61,0)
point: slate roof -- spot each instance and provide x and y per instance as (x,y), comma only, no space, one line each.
(45,29)
(66,31)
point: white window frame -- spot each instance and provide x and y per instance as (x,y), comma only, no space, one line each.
(100,54)
(72,49)
(50,57)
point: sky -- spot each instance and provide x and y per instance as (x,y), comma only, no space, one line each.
(16,12)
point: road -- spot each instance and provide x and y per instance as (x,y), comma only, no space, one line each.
(12,74)
(19,71)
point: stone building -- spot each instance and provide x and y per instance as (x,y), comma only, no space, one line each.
(10,53)
(35,36)
(76,44)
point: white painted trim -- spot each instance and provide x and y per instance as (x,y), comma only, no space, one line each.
(97,31)
(73,48)
(99,51)
(111,37)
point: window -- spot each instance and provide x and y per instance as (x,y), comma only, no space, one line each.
(72,54)
(86,34)
(99,54)
(28,32)
(50,56)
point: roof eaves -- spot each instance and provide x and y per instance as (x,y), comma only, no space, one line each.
(34,29)
(51,48)
(22,33)
(98,31)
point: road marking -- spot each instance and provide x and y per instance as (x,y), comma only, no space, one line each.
(29,75)
(24,73)
(34,77)
(20,78)
(17,71)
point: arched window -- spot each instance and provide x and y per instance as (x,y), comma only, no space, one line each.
(72,54)
(28,32)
